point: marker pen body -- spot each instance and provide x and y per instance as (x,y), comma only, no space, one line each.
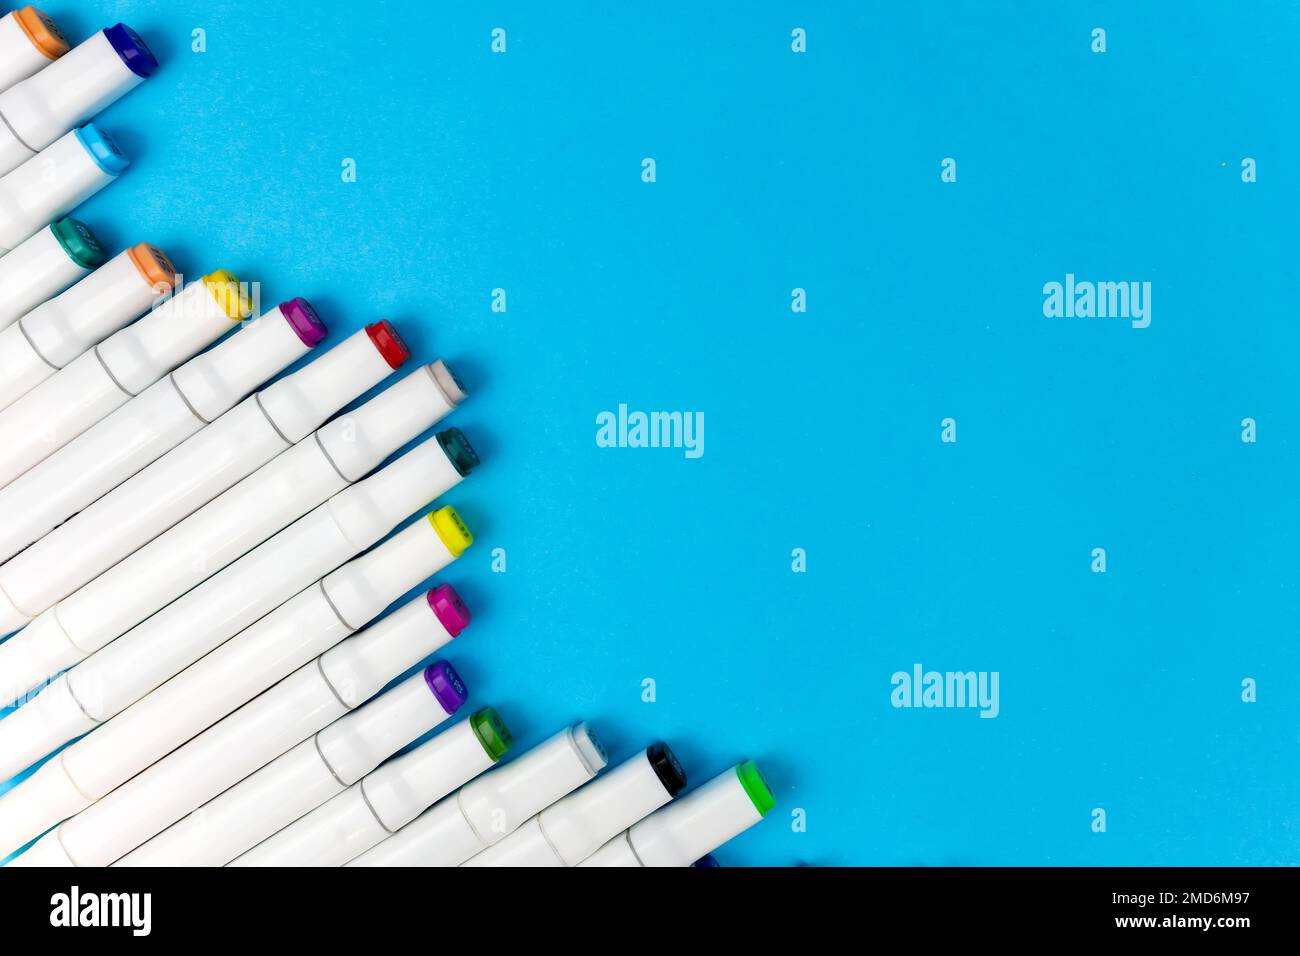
(254,807)
(42,267)
(55,181)
(56,331)
(323,764)
(226,678)
(114,371)
(386,799)
(95,543)
(153,423)
(167,642)
(486,811)
(73,89)
(29,42)
(696,825)
(569,831)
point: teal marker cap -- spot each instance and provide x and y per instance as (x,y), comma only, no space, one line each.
(79,243)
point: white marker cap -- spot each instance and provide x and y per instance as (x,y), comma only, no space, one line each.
(212,383)
(569,831)
(297,405)
(55,181)
(693,826)
(387,799)
(357,668)
(45,265)
(74,88)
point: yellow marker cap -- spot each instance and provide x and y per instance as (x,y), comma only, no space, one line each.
(451,530)
(225,288)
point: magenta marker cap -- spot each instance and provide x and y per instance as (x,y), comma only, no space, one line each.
(302,318)
(446,685)
(449,608)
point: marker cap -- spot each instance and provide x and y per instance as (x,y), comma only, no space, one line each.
(106,153)
(43,33)
(451,529)
(707,861)
(133,50)
(666,767)
(450,610)
(447,380)
(459,450)
(302,318)
(389,343)
(154,266)
(225,288)
(446,686)
(751,778)
(492,733)
(79,243)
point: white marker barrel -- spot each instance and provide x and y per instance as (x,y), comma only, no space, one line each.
(304,777)
(74,88)
(387,799)
(114,371)
(41,267)
(693,826)
(136,512)
(241,817)
(29,42)
(314,770)
(232,674)
(57,331)
(55,181)
(567,832)
(164,644)
(153,423)
(486,811)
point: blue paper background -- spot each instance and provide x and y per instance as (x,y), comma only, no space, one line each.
(820,170)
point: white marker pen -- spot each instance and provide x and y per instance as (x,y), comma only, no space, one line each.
(693,826)
(230,675)
(167,642)
(486,811)
(115,370)
(237,819)
(43,266)
(75,88)
(153,423)
(237,444)
(567,832)
(55,181)
(55,331)
(386,799)
(294,782)
(29,42)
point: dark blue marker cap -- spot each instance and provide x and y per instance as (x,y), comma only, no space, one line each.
(133,51)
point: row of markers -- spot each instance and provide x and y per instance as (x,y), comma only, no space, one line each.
(192,566)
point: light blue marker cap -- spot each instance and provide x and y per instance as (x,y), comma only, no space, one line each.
(102,149)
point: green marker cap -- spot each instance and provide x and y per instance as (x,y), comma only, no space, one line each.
(756,787)
(492,732)
(79,243)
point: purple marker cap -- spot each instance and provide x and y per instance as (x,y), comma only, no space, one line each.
(133,50)
(302,318)
(449,608)
(446,685)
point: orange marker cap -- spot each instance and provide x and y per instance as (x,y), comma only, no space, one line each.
(40,29)
(154,265)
